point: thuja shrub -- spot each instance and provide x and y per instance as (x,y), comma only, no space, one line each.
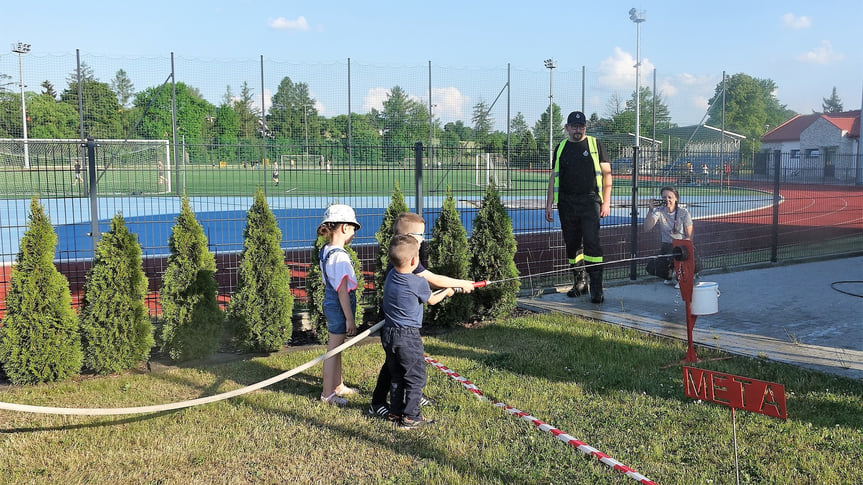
(492,257)
(116,332)
(448,255)
(192,323)
(262,305)
(39,339)
(315,290)
(383,236)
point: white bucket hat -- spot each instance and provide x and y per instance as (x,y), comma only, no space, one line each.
(340,213)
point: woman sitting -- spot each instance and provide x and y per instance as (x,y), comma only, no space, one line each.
(674,222)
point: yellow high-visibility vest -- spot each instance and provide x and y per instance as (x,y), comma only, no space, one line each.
(594,155)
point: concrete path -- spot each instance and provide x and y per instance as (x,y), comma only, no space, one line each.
(791,313)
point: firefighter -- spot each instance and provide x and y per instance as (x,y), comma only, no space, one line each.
(580,183)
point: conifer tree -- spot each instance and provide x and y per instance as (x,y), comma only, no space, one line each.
(116,332)
(39,339)
(262,305)
(192,321)
(315,290)
(448,256)
(383,237)
(492,257)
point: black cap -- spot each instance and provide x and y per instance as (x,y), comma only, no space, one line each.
(576,118)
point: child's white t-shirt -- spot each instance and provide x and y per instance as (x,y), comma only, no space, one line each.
(339,267)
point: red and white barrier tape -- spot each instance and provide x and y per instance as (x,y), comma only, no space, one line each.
(579,445)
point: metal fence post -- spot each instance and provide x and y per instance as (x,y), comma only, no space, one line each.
(418,177)
(777,169)
(94,201)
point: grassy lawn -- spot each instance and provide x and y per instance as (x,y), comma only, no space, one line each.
(234,180)
(606,386)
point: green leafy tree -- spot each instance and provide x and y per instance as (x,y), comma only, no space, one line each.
(492,257)
(750,105)
(315,290)
(116,332)
(262,305)
(448,256)
(832,104)
(383,236)
(192,322)
(101,115)
(193,112)
(50,119)
(39,339)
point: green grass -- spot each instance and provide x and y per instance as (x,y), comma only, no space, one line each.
(606,386)
(207,180)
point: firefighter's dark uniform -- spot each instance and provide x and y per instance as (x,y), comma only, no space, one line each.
(578,193)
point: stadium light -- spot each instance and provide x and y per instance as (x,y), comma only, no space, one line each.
(550,64)
(637,16)
(21,48)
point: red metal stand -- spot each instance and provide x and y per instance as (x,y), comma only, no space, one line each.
(684,267)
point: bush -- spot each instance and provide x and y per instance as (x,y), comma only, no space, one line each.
(315,290)
(192,321)
(116,332)
(448,256)
(262,305)
(39,339)
(383,237)
(492,253)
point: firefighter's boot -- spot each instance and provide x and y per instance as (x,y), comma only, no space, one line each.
(596,295)
(579,281)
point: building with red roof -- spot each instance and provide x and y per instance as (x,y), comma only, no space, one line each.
(825,143)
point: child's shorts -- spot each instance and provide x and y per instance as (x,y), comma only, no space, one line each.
(336,321)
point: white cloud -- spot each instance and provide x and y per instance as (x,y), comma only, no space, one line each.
(281,23)
(450,103)
(824,54)
(618,71)
(794,22)
(375,98)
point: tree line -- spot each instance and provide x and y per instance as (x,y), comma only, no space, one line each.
(115,110)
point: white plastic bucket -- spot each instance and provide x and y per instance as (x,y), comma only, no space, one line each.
(705,298)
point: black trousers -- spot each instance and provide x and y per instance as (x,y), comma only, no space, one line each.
(579,221)
(406,361)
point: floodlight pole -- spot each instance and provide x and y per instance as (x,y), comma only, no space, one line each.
(638,17)
(21,48)
(550,64)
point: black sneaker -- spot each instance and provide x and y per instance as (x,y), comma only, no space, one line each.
(425,401)
(378,410)
(408,423)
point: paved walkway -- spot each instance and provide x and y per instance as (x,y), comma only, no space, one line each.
(791,314)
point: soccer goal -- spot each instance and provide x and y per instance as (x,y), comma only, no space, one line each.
(122,166)
(491,167)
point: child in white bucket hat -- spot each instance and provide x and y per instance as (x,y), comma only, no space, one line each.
(340,302)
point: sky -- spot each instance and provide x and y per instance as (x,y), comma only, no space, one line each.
(807,48)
